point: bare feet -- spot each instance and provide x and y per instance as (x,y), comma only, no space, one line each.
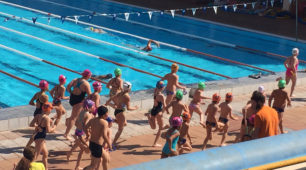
(223,144)
(78,168)
(68,155)
(284,132)
(67,137)
(156,145)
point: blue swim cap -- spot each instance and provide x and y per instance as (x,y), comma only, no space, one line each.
(160,84)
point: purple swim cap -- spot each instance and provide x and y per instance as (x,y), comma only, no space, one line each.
(88,104)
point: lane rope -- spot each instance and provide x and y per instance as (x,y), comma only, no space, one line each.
(146,39)
(45,61)
(18,78)
(93,39)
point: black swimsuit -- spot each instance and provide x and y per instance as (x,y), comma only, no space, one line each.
(41,135)
(76,99)
(39,109)
(95,149)
(156,109)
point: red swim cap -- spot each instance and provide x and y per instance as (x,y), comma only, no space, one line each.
(229,96)
(216,98)
(97,86)
(47,107)
(43,85)
(86,73)
(62,78)
(186,116)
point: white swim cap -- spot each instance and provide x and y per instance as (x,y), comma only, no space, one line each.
(127,85)
(295,51)
(261,88)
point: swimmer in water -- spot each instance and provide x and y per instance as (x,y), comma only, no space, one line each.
(97,30)
(148,47)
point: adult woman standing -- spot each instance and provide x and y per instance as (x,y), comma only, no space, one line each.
(81,87)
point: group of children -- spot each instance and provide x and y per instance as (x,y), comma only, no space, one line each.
(93,133)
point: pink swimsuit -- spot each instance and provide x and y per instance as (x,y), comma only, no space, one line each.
(290,72)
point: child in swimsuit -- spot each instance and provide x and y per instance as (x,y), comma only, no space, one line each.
(281,98)
(226,111)
(95,96)
(184,144)
(156,113)
(115,84)
(172,137)
(178,107)
(84,117)
(58,93)
(44,127)
(194,105)
(122,103)
(211,121)
(41,98)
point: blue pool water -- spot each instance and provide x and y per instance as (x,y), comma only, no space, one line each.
(16,93)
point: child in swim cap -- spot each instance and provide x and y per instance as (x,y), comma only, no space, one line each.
(95,96)
(281,99)
(211,121)
(225,114)
(184,144)
(179,95)
(172,135)
(155,115)
(58,93)
(117,72)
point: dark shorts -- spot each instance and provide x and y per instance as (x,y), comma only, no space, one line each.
(182,141)
(223,120)
(212,124)
(37,111)
(279,110)
(117,111)
(79,132)
(57,102)
(168,92)
(95,149)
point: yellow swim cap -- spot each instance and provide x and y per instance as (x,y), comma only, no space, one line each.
(91,28)
(174,67)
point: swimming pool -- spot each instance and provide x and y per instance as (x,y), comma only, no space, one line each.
(15,34)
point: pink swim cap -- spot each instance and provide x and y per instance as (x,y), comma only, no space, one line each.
(176,122)
(86,73)
(88,104)
(97,86)
(43,85)
(61,78)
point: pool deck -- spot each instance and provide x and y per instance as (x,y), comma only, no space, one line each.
(137,136)
(269,25)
